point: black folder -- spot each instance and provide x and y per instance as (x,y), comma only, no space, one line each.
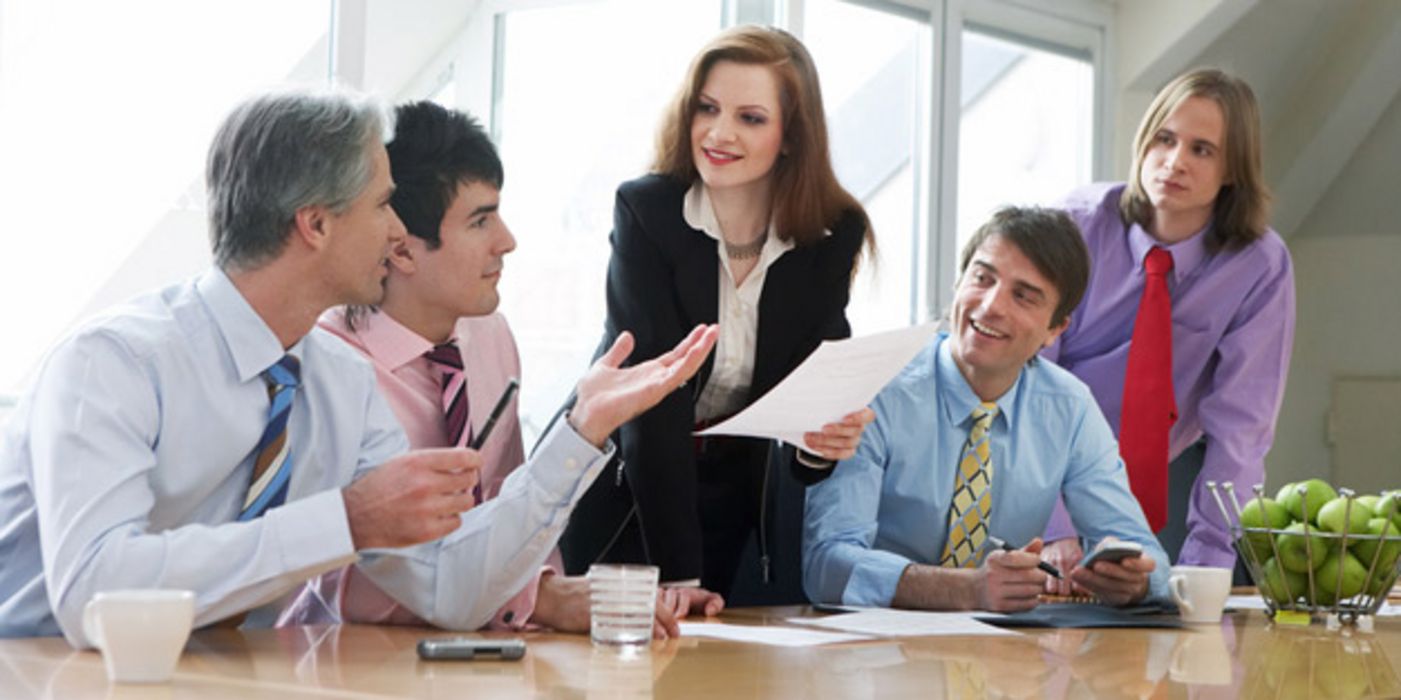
(1086,615)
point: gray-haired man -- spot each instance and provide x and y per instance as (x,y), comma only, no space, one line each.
(205,437)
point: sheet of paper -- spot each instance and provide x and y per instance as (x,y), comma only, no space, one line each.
(773,636)
(906,623)
(839,377)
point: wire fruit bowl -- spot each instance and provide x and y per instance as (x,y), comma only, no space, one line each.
(1335,599)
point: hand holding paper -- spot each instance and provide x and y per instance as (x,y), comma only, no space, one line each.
(837,379)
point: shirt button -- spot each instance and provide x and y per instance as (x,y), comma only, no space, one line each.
(571,464)
(508,616)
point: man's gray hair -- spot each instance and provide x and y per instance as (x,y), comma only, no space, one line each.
(282,151)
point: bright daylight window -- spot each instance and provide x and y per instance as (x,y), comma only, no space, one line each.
(873,66)
(1026,135)
(582,91)
(104,124)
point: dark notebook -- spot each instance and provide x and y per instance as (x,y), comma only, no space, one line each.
(1086,615)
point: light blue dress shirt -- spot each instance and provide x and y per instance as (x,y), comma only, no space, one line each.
(127,462)
(887,507)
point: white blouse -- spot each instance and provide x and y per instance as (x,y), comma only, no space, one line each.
(738,313)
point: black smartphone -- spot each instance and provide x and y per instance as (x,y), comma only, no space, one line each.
(1113,551)
(469,648)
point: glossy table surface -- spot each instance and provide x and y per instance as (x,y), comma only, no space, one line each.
(1244,656)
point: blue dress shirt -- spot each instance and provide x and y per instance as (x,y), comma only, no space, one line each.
(127,462)
(887,507)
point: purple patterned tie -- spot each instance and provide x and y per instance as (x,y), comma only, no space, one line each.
(455,406)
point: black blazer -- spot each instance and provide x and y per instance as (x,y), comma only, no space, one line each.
(663,279)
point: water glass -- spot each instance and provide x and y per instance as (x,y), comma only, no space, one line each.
(622,604)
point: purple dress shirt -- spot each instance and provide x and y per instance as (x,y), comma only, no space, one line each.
(1232,332)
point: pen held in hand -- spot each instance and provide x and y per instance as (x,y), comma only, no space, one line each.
(1044,566)
(480,438)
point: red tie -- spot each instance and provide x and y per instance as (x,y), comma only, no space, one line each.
(1149,408)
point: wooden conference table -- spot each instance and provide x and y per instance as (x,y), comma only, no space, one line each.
(1245,656)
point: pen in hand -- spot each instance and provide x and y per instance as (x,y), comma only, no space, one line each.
(1044,566)
(480,438)
(496,412)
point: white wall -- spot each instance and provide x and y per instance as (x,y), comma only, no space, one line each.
(1347,255)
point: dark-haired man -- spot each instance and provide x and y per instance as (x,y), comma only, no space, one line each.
(442,357)
(972,441)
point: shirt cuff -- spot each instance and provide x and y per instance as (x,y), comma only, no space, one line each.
(565,459)
(813,461)
(305,546)
(874,579)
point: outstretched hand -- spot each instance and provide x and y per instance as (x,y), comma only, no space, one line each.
(610,395)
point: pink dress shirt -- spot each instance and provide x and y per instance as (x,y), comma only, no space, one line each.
(412,387)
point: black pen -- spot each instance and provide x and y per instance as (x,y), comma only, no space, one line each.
(1044,566)
(496,412)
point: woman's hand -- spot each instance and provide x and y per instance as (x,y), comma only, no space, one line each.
(838,441)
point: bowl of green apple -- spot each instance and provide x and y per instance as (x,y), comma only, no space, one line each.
(1316,549)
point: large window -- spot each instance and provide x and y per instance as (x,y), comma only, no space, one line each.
(104,124)
(874,68)
(1026,130)
(575,117)
(938,111)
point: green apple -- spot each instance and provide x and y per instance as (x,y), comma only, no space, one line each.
(1389,505)
(1381,583)
(1369,500)
(1329,587)
(1282,585)
(1262,513)
(1299,552)
(1319,492)
(1367,549)
(1285,490)
(1338,515)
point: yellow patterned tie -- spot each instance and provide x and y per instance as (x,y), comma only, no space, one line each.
(971,507)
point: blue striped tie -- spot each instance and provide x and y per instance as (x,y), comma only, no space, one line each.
(272,469)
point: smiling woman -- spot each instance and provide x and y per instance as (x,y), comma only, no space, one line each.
(742,222)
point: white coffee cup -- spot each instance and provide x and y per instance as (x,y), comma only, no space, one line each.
(140,632)
(1200,592)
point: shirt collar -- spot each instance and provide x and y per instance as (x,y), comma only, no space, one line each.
(700,215)
(251,343)
(393,344)
(956,397)
(1187,254)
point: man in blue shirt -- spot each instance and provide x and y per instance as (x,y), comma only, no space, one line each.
(207,437)
(972,441)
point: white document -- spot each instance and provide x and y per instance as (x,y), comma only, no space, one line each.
(773,636)
(883,622)
(839,377)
